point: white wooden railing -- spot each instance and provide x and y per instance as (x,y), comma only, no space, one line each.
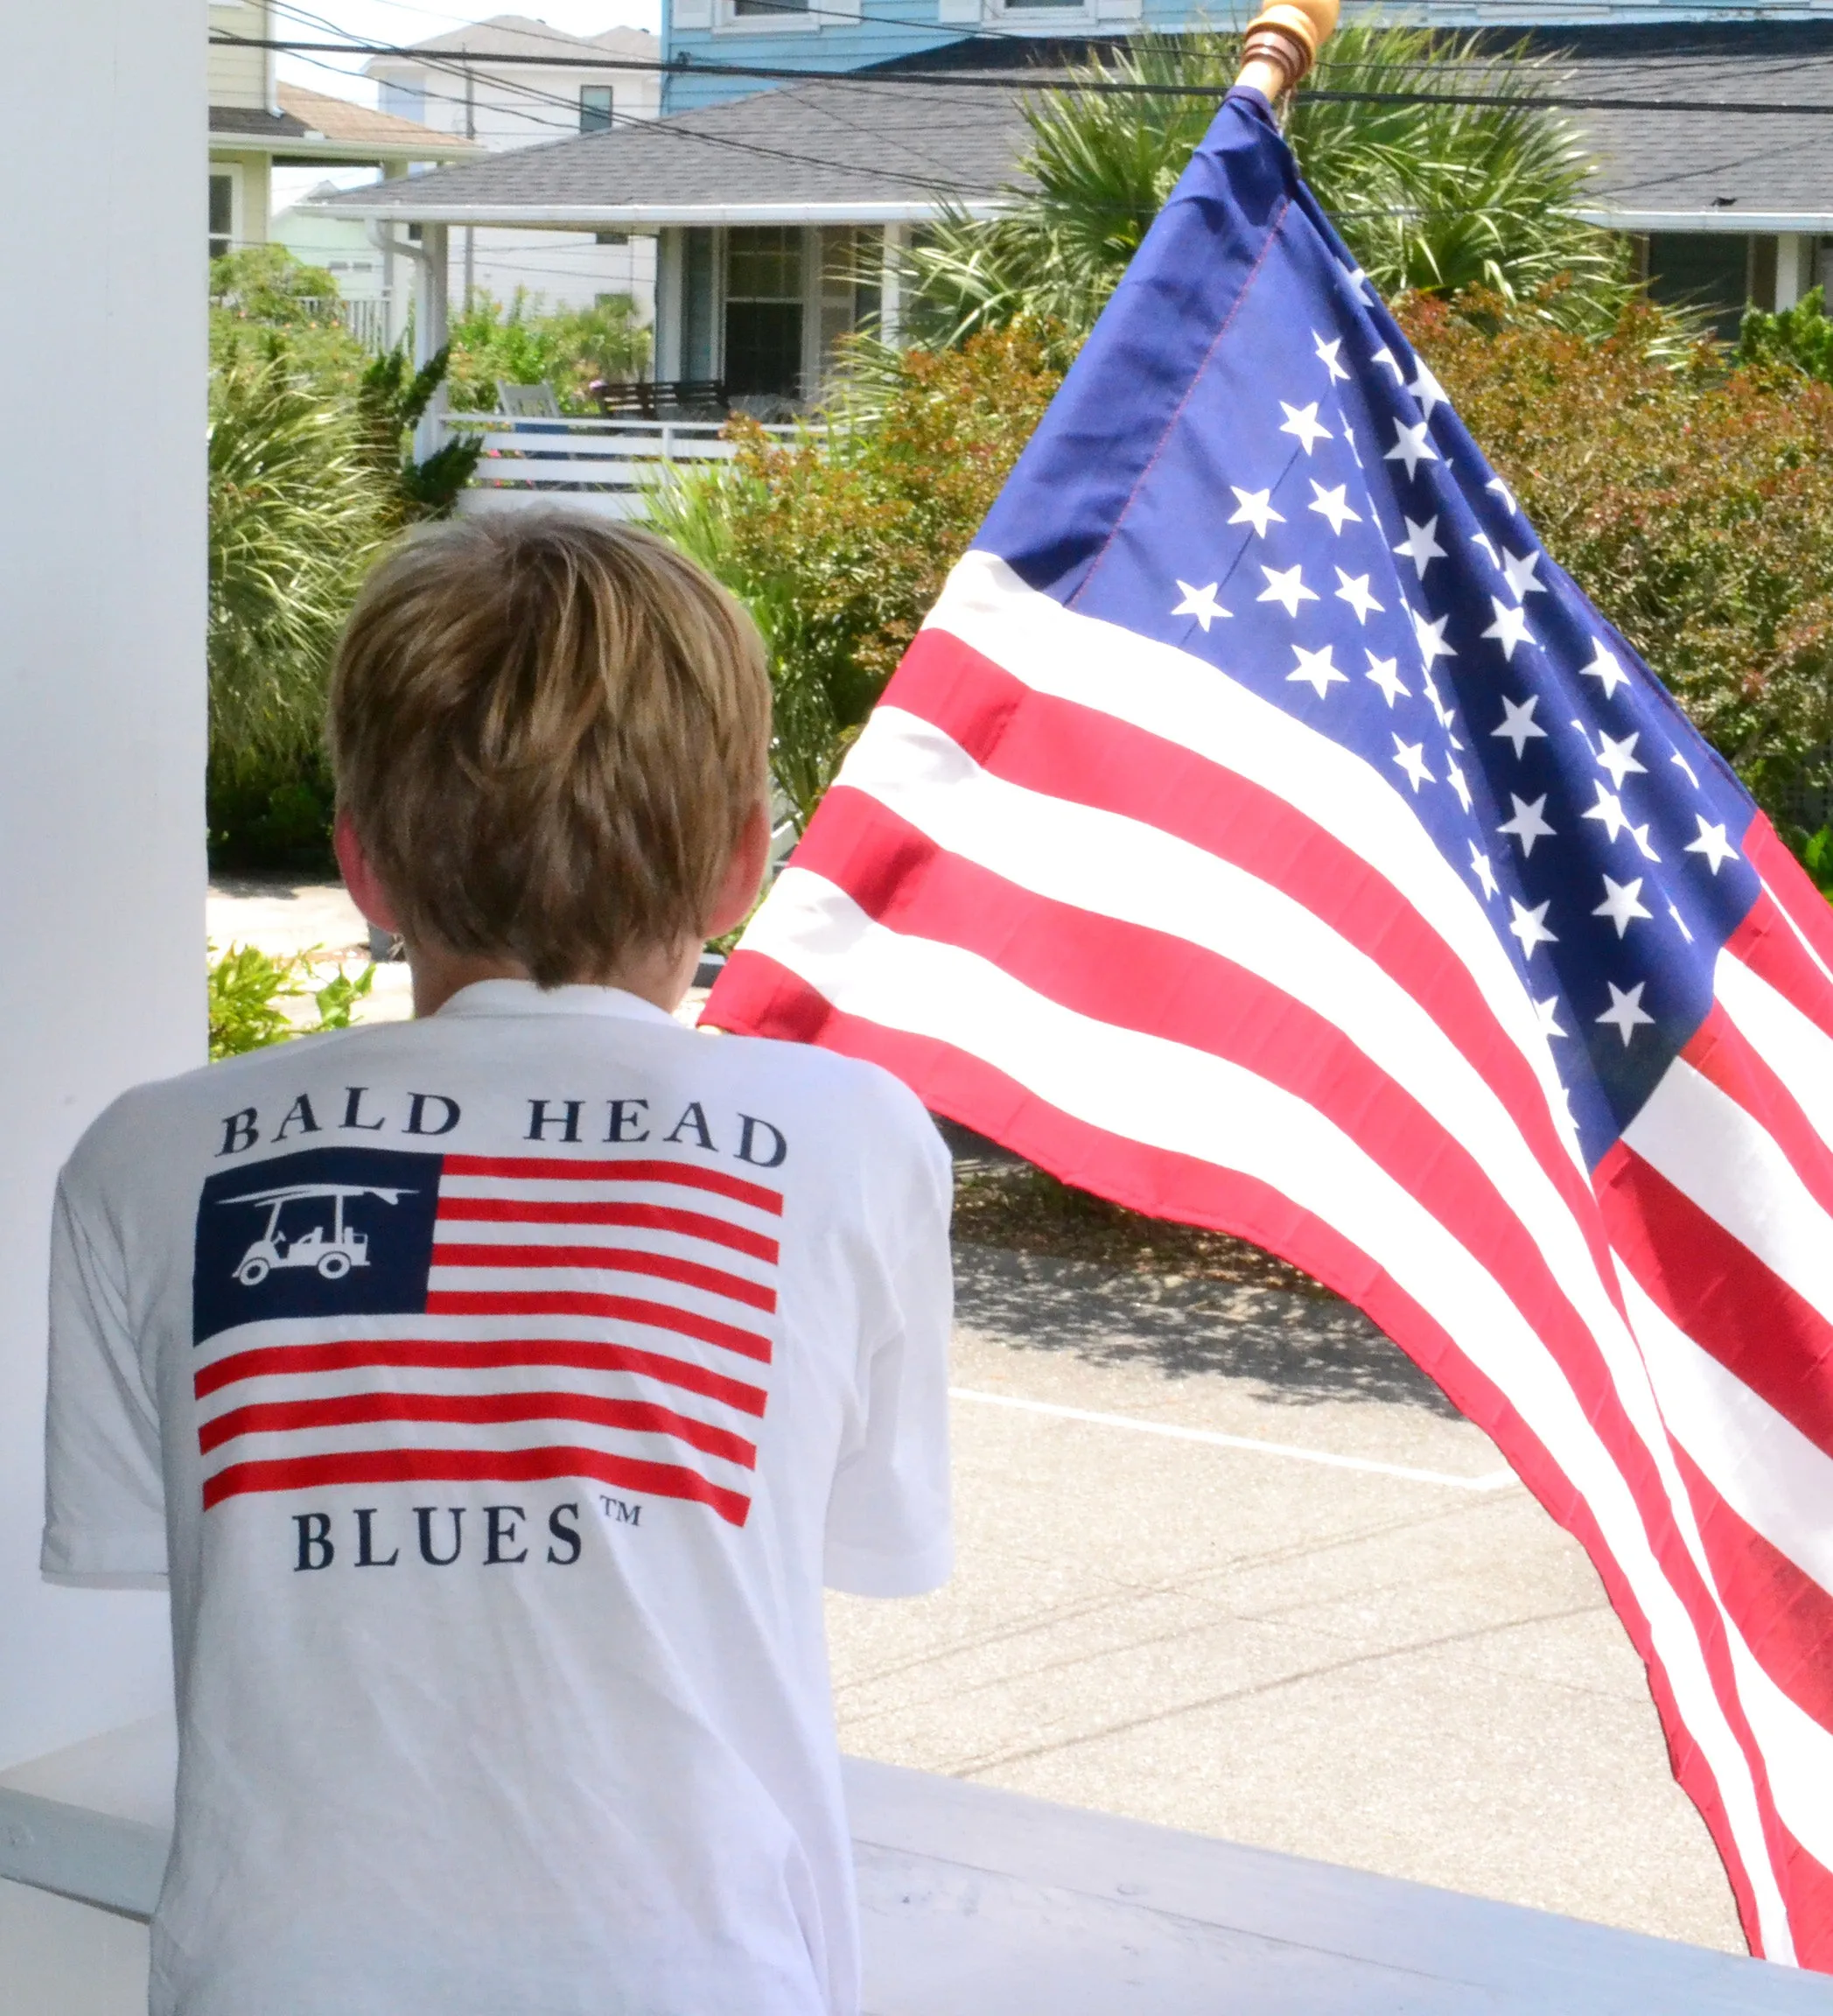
(606,465)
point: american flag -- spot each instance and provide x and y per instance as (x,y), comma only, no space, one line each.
(364,1316)
(1263,832)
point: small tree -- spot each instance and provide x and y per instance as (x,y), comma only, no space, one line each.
(522,343)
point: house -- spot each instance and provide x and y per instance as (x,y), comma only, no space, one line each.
(772,212)
(448,82)
(257,122)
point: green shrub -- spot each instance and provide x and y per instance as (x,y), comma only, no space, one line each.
(523,343)
(1801,336)
(247,991)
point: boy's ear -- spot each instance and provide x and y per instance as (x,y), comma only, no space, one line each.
(360,878)
(744,874)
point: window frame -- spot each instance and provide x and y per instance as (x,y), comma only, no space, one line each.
(591,120)
(229,171)
(786,21)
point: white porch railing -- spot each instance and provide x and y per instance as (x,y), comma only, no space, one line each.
(605,465)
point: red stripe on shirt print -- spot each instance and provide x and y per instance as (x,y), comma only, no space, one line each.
(1062,750)
(626,1308)
(567,1169)
(471,1467)
(422,1354)
(349,1410)
(611,1260)
(759,994)
(647,1217)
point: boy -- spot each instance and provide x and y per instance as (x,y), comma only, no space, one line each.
(494,1387)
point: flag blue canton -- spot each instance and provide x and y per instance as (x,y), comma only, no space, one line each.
(1300,505)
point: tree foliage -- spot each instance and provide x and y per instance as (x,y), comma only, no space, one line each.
(1801,336)
(1434,197)
(839,542)
(523,343)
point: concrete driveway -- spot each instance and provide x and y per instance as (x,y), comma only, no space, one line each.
(1393,1660)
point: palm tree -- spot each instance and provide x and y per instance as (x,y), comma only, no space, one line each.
(1429,195)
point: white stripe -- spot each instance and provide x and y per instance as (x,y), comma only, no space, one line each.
(1798,1052)
(1185,1101)
(1178,697)
(519,1283)
(611,1238)
(1490,1481)
(1713,1152)
(1797,1750)
(1807,943)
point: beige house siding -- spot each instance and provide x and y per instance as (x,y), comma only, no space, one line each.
(239,76)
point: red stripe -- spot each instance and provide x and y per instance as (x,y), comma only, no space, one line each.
(650,1217)
(1062,750)
(1809,1887)
(299,1360)
(762,995)
(569,1169)
(1722,1053)
(1124,975)
(1715,1289)
(1785,1616)
(653,1315)
(347,1409)
(615,1260)
(471,1467)
(1791,888)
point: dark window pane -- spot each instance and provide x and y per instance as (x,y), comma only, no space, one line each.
(222,215)
(697,327)
(764,347)
(594,107)
(1708,270)
(764,264)
(747,10)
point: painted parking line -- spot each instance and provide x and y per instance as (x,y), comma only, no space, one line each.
(1490,1481)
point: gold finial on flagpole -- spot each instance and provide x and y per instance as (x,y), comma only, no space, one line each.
(1283,41)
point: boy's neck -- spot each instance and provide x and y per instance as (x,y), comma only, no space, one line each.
(661,975)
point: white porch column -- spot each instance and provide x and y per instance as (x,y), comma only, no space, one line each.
(431,292)
(891,284)
(394,278)
(1793,280)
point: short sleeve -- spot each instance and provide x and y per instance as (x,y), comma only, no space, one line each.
(888,1531)
(104,1495)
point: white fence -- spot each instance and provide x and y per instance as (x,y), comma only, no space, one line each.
(602,464)
(367,320)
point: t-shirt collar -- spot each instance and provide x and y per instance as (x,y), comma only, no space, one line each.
(524,998)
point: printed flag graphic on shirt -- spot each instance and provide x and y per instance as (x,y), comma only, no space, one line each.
(1264,833)
(368,1317)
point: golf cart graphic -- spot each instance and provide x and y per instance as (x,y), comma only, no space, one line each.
(329,1250)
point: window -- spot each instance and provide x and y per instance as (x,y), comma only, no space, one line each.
(222,215)
(1709,270)
(404,100)
(754,9)
(763,311)
(611,237)
(594,107)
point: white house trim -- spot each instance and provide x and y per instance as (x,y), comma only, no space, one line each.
(658,216)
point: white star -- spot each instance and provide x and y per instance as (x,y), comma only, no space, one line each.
(1607,667)
(1316,671)
(1529,926)
(1358,281)
(1626,1011)
(1609,808)
(1454,777)
(1509,628)
(1303,421)
(1618,758)
(1410,756)
(1288,587)
(1255,509)
(1385,675)
(1386,356)
(1410,447)
(1426,389)
(1526,825)
(1431,638)
(1420,547)
(1349,438)
(1518,724)
(1548,1011)
(1485,874)
(1622,903)
(1429,687)
(1483,540)
(1335,506)
(1640,835)
(1201,604)
(1502,491)
(1712,844)
(1355,591)
(1326,354)
(1687,766)
(1518,567)
(1682,922)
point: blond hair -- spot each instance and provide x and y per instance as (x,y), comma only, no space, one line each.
(548,731)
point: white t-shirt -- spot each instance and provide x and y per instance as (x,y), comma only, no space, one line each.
(497,1391)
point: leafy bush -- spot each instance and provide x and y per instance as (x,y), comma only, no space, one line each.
(839,542)
(248,990)
(1694,506)
(1801,336)
(524,344)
